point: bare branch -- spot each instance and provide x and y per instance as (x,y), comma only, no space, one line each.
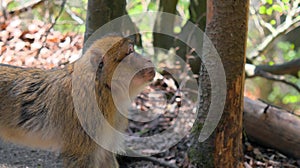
(291,68)
(273,78)
(253,72)
(62,6)
(74,16)
(291,22)
(282,29)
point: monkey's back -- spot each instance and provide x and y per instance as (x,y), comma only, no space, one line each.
(31,101)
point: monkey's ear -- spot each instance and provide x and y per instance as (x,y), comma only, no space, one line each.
(130,48)
(127,46)
(96,57)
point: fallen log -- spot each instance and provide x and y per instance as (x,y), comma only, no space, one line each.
(272,127)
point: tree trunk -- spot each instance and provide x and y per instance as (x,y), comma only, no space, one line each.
(162,40)
(229,19)
(197,11)
(99,12)
(202,154)
(227,29)
(272,127)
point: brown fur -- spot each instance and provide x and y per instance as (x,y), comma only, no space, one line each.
(36,106)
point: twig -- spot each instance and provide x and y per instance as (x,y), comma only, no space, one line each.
(269,76)
(74,16)
(288,25)
(282,29)
(256,21)
(24,8)
(62,6)
(291,68)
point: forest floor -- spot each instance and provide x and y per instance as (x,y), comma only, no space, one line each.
(28,46)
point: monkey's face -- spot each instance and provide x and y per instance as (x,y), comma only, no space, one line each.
(133,71)
(143,75)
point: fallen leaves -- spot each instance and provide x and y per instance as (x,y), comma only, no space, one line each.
(24,43)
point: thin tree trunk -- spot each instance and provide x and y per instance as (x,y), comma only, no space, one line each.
(161,40)
(229,18)
(227,29)
(197,10)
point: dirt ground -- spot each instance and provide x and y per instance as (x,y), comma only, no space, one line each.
(12,156)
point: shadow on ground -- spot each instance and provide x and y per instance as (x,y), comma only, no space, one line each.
(13,156)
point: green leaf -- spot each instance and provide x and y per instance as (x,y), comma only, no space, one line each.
(177,29)
(285,46)
(136,9)
(285,1)
(286,7)
(269,11)
(270,2)
(273,22)
(271,63)
(290,99)
(152,6)
(277,8)
(262,10)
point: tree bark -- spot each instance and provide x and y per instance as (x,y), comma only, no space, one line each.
(162,40)
(227,29)
(99,12)
(197,10)
(202,154)
(292,68)
(230,19)
(272,127)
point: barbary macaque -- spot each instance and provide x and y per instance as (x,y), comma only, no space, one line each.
(37,109)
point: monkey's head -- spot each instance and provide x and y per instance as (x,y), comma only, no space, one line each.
(118,62)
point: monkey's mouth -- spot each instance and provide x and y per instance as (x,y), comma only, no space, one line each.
(147,74)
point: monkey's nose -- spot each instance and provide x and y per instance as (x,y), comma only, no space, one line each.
(149,73)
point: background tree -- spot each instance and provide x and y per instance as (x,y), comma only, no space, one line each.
(108,10)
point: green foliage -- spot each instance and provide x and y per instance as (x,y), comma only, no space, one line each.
(47,12)
(136,6)
(269,2)
(288,49)
(12,5)
(287,99)
(268,15)
(269,7)
(273,22)
(183,5)
(277,8)
(283,94)
(262,10)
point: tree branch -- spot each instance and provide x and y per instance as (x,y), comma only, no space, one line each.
(62,6)
(26,7)
(291,68)
(252,71)
(285,27)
